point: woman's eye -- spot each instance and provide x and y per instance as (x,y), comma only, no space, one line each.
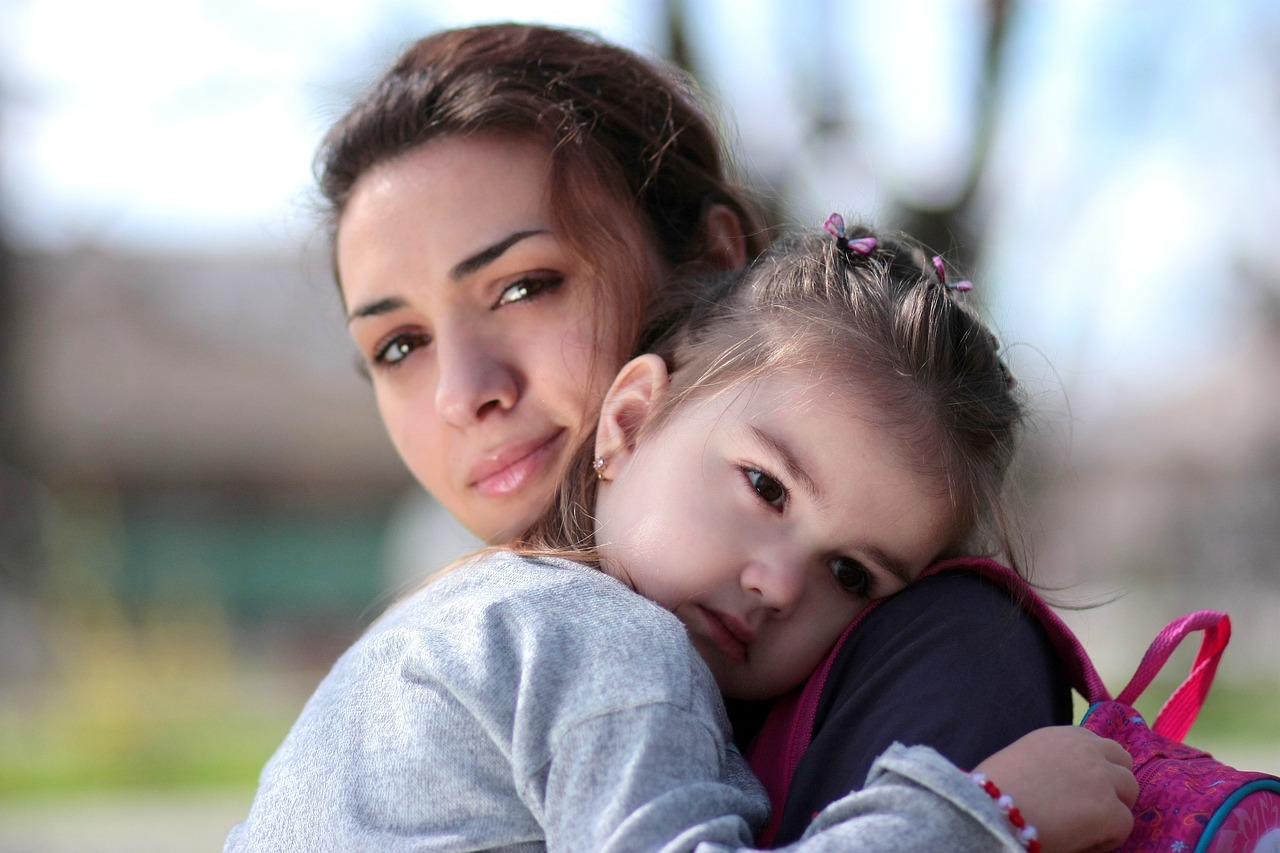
(398,348)
(770,490)
(527,288)
(851,575)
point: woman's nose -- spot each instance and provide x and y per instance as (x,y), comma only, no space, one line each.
(474,380)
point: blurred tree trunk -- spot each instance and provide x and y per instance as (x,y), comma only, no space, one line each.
(20,545)
(954,228)
(8,401)
(682,52)
(676,23)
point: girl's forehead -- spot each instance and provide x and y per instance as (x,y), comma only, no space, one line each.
(807,383)
(778,397)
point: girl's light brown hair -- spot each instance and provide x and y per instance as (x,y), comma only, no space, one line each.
(883,328)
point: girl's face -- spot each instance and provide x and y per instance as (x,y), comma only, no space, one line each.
(766,519)
(481,328)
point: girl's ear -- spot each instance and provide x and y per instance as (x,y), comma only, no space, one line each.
(627,405)
(726,246)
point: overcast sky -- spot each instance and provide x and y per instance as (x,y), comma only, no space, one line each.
(190,122)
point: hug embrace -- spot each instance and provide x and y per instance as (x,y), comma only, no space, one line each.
(696,458)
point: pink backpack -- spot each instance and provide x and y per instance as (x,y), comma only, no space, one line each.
(1188,802)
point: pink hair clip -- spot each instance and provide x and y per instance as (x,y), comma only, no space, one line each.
(860,246)
(962,286)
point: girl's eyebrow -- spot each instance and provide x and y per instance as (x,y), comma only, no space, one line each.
(894,566)
(790,461)
(465,267)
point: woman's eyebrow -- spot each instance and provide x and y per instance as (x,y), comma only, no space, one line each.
(461,270)
(373,309)
(489,254)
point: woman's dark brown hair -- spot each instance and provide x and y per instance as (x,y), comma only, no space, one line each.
(624,133)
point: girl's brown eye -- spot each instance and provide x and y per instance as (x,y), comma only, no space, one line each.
(770,490)
(851,575)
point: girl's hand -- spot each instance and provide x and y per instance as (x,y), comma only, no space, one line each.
(1075,787)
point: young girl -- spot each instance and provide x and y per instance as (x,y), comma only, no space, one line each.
(508,204)
(548,695)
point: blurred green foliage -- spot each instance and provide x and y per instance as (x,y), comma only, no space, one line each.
(165,706)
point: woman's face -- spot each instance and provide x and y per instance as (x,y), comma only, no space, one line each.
(485,337)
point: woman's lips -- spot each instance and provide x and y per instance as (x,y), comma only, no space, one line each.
(506,471)
(730,635)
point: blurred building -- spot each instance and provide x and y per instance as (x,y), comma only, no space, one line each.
(192,434)
(1172,502)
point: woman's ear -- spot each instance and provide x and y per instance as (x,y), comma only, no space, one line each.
(629,402)
(726,246)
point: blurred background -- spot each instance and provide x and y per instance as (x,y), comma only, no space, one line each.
(199,509)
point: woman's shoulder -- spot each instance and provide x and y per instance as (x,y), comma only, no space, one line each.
(950,602)
(953,634)
(519,588)
(546,619)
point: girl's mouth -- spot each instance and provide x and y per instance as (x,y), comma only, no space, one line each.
(730,634)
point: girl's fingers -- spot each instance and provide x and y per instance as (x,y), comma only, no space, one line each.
(1127,786)
(1117,754)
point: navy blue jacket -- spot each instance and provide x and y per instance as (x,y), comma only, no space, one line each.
(951,662)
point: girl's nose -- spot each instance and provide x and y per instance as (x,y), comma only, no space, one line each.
(778,580)
(474,380)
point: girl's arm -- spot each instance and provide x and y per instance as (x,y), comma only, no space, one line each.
(1076,788)
(951,662)
(634,792)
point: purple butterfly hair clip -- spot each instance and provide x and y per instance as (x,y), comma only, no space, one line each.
(962,286)
(860,246)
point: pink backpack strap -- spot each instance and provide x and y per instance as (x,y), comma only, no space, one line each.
(1177,715)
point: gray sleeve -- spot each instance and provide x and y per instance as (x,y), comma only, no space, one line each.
(348,776)
(914,799)
(616,791)
(633,780)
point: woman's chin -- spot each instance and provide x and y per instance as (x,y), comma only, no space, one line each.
(502,525)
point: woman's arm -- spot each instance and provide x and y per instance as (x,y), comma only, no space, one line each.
(952,662)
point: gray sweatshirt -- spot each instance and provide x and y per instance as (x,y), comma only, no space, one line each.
(521,704)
